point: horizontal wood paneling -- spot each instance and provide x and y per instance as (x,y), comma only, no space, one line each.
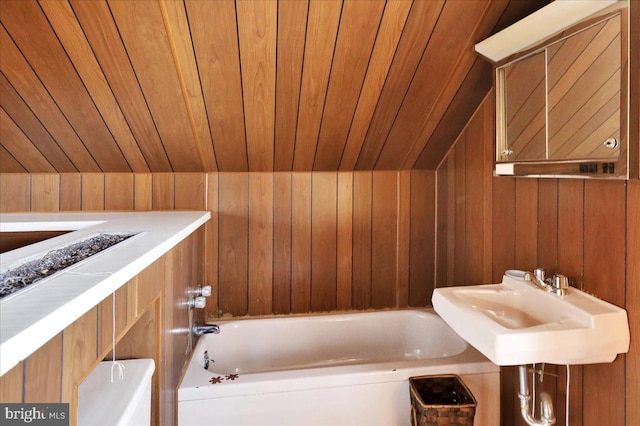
(583,229)
(208,85)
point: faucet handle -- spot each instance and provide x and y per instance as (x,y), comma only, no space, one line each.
(540,273)
(560,284)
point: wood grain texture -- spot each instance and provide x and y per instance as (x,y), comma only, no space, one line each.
(190,191)
(362,223)
(282,233)
(45,192)
(392,25)
(300,242)
(99,28)
(106,319)
(233,238)
(632,301)
(384,240)
(11,384)
(70,192)
(119,191)
(344,244)
(142,29)
(359,21)
(176,23)
(211,244)
(163,191)
(422,248)
(25,119)
(20,147)
(14,192)
(68,30)
(322,29)
(403,258)
(257,34)
(142,186)
(43,369)
(92,192)
(324,241)
(215,41)
(8,163)
(260,253)
(36,39)
(415,37)
(292,29)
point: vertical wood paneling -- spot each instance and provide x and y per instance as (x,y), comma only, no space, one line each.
(92,192)
(211,243)
(105,316)
(68,30)
(416,34)
(215,42)
(163,191)
(25,119)
(45,192)
(548,224)
(70,192)
(404,238)
(233,242)
(36,39)
(142,29)
(604,276)
(44,370)
(11,384)
(362,201)
(119,191)
(632,302)
(359,21)
(143,191)
(292,29)
(261,192)
(190,191)
(322,28)
(301,242)
(526,249)
(384,240)
(344,247)
(177,26)
(393,23)
(282,250)
(422,249)
(474,194)
(97,23)
(459,211)
(257,35)
(324,241)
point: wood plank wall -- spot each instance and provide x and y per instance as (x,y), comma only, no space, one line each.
(586,229)
(147,315)
(279,242)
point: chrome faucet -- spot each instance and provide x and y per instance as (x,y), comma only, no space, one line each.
(558,284)
(199,330)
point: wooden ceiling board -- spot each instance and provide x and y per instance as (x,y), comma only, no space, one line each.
(292,30)
(8,164)
(322,29)
(240,85)
(20,147)
(142,29)
(97,23)
(69,32)
(175,19)
(25,81)
(214,35)
(32,33)
(392,26)
(24,118)
(359,26)
(415,38)
(443,67)
(257,32)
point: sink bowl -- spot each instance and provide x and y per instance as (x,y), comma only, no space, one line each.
(515,323)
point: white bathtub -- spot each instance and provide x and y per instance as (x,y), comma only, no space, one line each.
(337,369)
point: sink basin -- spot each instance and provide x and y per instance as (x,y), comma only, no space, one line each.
(515,323)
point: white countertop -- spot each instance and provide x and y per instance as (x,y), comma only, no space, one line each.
(29,319)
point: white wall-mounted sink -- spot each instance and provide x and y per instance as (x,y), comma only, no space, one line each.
(515,323)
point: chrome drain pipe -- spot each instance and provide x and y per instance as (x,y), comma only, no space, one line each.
(547,418)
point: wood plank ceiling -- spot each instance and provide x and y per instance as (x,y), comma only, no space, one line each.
(251,85)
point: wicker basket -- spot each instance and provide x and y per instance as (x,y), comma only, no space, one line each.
(441,400)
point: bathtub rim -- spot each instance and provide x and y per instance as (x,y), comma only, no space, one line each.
(194,383)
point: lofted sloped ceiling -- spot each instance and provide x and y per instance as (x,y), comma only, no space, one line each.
(200,85)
